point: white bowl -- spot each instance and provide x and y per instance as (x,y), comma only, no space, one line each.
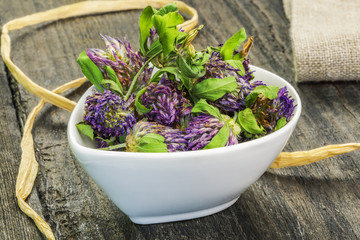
(165,187)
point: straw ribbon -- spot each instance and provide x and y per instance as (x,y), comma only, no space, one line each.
(292,159)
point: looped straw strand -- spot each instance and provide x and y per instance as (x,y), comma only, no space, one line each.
(28,166)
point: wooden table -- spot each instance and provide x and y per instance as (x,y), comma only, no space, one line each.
(318,201)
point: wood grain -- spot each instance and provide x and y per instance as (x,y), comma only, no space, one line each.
(319,201)
(11,218)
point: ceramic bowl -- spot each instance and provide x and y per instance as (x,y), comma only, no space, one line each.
(165,187)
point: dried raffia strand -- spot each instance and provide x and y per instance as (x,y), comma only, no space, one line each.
(29,166)
(24,80)
(291,159)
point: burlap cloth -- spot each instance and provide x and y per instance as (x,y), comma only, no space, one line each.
(325,39)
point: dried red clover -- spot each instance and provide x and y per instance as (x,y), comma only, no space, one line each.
(169,97)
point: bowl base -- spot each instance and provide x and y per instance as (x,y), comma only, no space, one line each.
(182,216)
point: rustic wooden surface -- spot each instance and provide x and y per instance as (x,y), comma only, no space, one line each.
(319,201)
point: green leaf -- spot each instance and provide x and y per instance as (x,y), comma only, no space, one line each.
(152,147)
(220,139)
(112,75)
(280,123)
(113,86)
(172,70)
(250,99)
(85,130)
(139,106)
(212,49)
(247,121)
(172,7)
(187,82)
(122,138)
(201,58)
(152,142)
(237,64)
(145,24)
(90,70)
(214,88)
(171,20)
(151,138)
(269,92)
(155,48)
(189,69)
(203,107)
(180,39)
(232,44)
(237,56)
(167,30)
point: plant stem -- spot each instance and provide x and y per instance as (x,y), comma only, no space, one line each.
(117,146)
(235,116)
(138,74)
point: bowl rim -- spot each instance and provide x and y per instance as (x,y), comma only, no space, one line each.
(203,152)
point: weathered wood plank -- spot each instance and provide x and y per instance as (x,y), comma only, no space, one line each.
(316,201)
(13,223)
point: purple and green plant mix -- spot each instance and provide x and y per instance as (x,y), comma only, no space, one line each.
(169,97)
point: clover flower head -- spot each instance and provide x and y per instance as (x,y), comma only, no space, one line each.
(167,102)
(109,115)
(202,129)
(218,68)
(120,56)
(174,138)
(268,112)
(284,105)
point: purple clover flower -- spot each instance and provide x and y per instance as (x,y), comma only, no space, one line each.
(234,101)
(284,105)
(108,115)
(174,138)
(167,102)
(248,73)
(120,56)
(202,129)
(268,112)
